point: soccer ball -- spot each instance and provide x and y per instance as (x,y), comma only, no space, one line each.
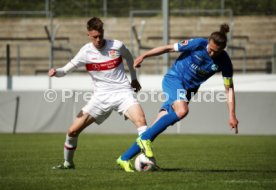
(143,163)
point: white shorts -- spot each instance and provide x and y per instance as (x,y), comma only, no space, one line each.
(101,105)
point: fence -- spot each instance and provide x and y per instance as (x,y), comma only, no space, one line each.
(121,8)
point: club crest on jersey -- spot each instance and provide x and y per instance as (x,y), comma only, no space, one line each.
(214,67)
(183,42)
(113,54)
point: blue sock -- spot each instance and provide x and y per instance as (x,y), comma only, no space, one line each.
(151,133)
(131,152)
(160,126)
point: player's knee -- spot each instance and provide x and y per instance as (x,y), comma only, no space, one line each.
(141,121)
(182,112)
(72,133)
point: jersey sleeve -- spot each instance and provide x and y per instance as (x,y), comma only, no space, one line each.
(69,67)
(190,45)
(79,59)
(129,59)
(227,69)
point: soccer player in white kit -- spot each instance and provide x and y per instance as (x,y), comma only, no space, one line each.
(112,89)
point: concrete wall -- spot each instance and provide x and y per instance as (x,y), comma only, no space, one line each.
(256,112)
(34,54)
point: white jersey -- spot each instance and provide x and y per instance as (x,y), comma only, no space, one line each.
(105,66)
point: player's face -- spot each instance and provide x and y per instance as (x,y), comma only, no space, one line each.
(97,38)
(213,49)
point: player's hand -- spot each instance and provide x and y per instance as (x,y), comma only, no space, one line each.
(52,72)
(136,85)
(138,61)
(233,123)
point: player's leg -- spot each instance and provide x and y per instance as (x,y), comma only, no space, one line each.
(178,110)
(80,123)
(134,112)
(144,141)
(135,149)
(160,114)
(128,105)
(91,112)
(176,107)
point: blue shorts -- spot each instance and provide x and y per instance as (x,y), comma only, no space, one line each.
(175,90)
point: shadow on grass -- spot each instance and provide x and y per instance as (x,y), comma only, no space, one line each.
(214,170)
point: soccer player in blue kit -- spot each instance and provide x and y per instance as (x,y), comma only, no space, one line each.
(200,59)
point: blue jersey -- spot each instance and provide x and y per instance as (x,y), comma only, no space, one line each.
(194,65)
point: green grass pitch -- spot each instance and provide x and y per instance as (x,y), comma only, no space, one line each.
(188,162)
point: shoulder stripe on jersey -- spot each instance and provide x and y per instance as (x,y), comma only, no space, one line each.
(111,64)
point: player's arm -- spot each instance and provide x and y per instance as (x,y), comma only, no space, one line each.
(230,92)
(153,52)
(129,59)
(182,46)
(77,61)
(60,72)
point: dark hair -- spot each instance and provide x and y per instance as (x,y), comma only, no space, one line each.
(95,24)
(220,37)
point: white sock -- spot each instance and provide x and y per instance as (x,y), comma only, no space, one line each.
(70,146)
(142,129)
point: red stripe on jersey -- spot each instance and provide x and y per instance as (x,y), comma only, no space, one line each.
(111,64)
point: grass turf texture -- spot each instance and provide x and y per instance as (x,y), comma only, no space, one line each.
(188,162)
